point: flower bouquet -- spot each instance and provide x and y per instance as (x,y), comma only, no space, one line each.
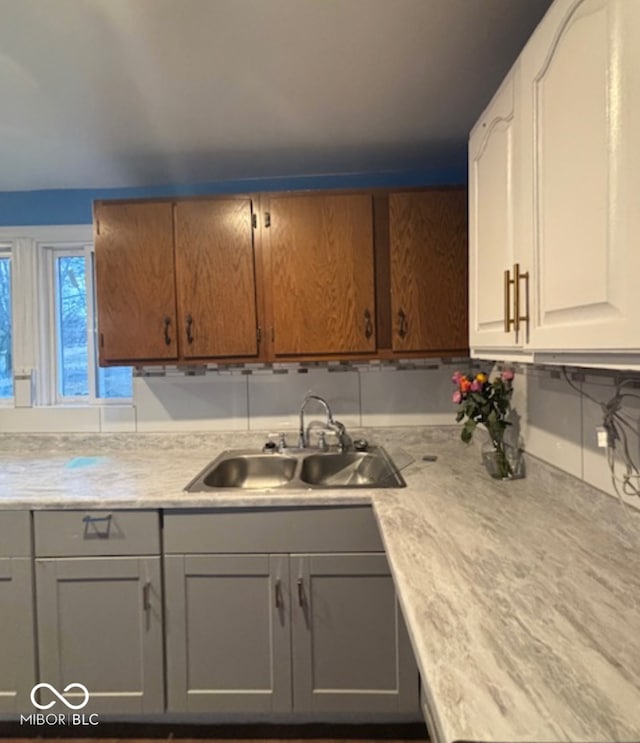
(486,402)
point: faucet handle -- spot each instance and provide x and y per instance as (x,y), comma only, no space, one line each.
(281,445)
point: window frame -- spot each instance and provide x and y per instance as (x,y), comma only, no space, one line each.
(6,251)
(50,341)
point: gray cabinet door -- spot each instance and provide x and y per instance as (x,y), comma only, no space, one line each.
(100,625)
(17,635)
(351,652)
(227,628)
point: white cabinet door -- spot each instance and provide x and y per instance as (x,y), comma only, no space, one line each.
(581,116)
(493,245)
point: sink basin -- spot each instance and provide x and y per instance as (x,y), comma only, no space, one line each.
(298,468)
(350,470)
(251,471)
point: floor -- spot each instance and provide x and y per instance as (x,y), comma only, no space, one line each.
(137,733)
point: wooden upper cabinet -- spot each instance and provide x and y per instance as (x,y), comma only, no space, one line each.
(135,288)
(322,274)
(428,258)
(216,278)
(333,275)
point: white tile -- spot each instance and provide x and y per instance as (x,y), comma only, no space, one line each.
(552,428)
(50,420)
(274,400)
(179,403)
(117,419)
(515,434)
(596,468)
(407,397)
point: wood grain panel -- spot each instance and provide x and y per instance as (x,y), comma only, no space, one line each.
(322,274)
(135,289)
(215,278)
(428,233)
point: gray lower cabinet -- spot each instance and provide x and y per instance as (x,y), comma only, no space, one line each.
(351,650)
(227,623)
(100,615)
(317,633)
(17,629)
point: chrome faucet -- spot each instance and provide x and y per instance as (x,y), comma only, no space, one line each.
(344,440)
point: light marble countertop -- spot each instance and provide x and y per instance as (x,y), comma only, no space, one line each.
(522,598)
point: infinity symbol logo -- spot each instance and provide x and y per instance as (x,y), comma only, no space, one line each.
(59,696)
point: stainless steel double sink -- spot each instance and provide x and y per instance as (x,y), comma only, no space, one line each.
(247,469)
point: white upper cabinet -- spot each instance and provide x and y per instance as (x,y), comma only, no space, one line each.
(569,192)
(494,147)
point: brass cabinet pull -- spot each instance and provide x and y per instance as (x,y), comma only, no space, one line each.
(189,324)
(278,594)
(507,301)
(402,327)
(517,316)
(167,324)
(368,326)
(300,592)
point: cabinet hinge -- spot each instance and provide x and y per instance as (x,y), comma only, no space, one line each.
(254,221)
(267,219)
(97,226)
(101,340)
(258,334)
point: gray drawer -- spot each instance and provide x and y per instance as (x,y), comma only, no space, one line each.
(96,533)
(15,534)
(333,529)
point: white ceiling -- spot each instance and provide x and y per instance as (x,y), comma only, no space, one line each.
(99,93)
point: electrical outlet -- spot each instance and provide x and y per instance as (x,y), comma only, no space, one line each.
(603,437)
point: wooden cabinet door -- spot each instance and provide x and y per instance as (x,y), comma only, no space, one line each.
(135,282)
(100,625)
(322,283)
(579,73)
(17,635)
(227,619)
(216,278)
(493,243)
(428,244)
(351,651)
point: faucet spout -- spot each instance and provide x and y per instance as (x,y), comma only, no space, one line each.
(302,437)
(344,440)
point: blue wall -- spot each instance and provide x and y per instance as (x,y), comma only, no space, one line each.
(73,206)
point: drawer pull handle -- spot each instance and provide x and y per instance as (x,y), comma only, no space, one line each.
(97,527)
(278,594)
(300,592)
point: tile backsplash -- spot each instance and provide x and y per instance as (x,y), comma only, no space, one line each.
(555,423)
(254,398)
(558,424)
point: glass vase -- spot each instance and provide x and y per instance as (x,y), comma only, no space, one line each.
(502,461)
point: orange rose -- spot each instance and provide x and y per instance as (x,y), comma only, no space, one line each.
(465,384)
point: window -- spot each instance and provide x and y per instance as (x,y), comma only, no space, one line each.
(78,377)
(6,366)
